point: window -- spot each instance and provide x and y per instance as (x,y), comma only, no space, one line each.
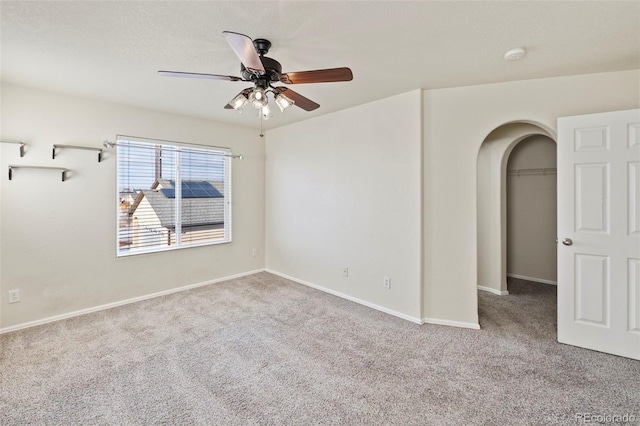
(171,196)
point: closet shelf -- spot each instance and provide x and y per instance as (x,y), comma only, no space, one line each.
(538,171)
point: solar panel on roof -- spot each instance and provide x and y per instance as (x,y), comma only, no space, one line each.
(168,192)
(193,189)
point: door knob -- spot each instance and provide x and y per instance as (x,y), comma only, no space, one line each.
(567,241)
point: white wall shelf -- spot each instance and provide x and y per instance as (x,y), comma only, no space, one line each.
(61,169)
(88,148)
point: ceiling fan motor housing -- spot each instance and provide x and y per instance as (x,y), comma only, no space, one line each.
(272,68)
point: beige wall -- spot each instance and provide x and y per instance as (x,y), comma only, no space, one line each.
(531,212)
(355,188)
(456,122)
(58,240)
(344,190)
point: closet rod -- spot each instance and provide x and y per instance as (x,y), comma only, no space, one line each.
(22,144)
(538,171)
(53,155)
(108,144)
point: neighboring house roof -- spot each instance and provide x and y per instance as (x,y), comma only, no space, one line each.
(202,202)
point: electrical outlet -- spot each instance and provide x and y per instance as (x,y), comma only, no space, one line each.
(254,252)
(387,282)
(14,296)
(345,272)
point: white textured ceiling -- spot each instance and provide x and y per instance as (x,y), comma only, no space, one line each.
(112,50)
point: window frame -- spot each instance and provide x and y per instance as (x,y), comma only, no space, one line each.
(178,148)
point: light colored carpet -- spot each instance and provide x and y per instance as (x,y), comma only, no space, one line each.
(263,350)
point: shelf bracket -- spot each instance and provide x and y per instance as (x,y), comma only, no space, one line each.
(22,144)
(53,154)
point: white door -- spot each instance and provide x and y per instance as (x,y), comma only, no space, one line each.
(599,232)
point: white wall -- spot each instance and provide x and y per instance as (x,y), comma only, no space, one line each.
(58,240)
(456,122)
(531,212)
(344,190)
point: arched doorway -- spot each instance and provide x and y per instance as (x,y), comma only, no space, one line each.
(492,163)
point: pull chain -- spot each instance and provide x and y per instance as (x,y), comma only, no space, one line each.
(261,132)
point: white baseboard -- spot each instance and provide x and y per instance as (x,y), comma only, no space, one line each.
(54,318)
(493,290)
(122,302)
(537,280)
(347,297)
(437,321)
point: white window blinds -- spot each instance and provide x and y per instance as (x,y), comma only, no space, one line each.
(171,196)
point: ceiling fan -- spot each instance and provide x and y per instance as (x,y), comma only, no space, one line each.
(263,71)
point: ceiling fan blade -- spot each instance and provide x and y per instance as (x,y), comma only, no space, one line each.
(299,100)
(242,45)
(317,76)
(244,92)
(199,75)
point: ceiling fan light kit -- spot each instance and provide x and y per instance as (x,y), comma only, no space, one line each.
(262,71)
(283,102)
(258,97)
(239,102)
(265,112)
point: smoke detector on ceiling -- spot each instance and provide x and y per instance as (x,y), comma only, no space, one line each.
(514,54)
